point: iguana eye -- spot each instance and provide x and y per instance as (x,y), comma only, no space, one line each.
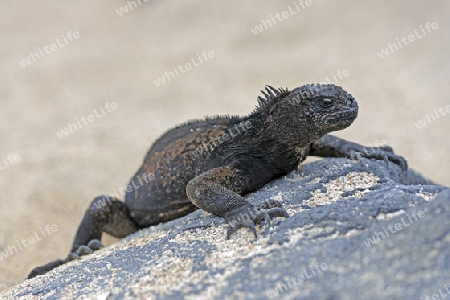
(326,102)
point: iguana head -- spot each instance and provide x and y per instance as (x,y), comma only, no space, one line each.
(321,108)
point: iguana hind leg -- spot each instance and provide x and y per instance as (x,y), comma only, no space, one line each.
(105,214)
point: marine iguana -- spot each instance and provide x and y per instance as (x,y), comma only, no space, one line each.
(211,163)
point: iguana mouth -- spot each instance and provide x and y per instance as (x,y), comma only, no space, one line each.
(346,115)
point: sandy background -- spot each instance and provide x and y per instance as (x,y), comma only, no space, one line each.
(117,58)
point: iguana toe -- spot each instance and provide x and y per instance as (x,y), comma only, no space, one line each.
(73,256)
(84,250)
(95,244)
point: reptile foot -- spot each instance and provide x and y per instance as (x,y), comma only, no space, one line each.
(389,156)
(249,215)
(84,250)
(81,251)
(381,153)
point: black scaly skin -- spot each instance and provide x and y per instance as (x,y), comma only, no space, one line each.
(192,169)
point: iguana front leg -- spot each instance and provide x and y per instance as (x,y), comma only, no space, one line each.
(219,190)
(331,146)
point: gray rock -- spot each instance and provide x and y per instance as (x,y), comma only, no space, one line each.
(358,230)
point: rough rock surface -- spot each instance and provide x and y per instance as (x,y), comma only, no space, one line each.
(358,230)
